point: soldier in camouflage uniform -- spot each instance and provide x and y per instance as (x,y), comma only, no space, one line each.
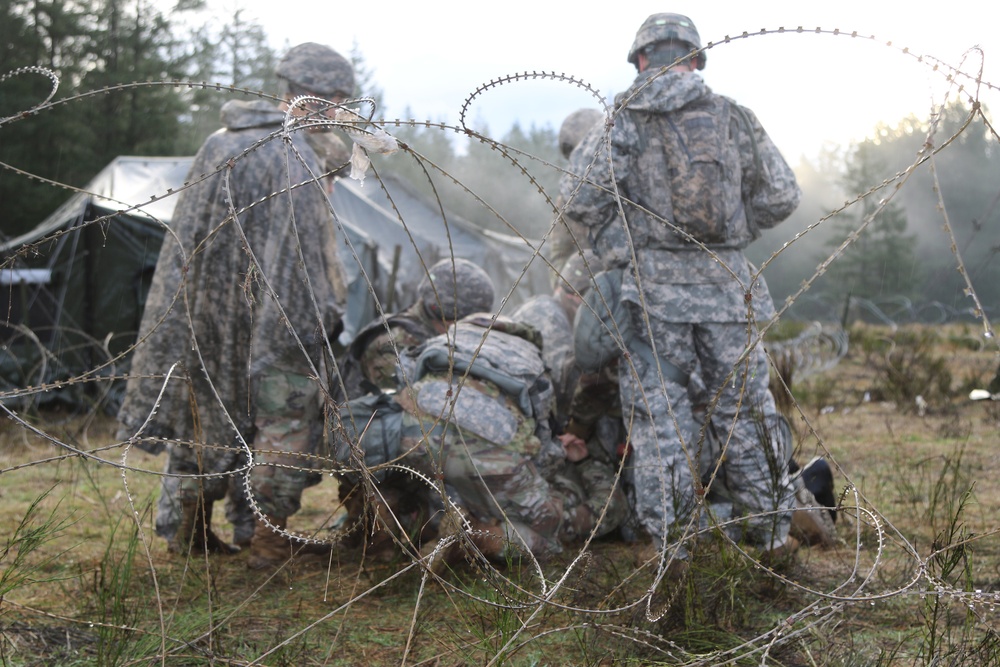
(552,315)
(488,441)
(692,304)
(569,237)
(241,239)
(451,290)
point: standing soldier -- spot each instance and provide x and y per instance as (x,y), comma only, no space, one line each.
(246,294)
(569,237)
(698,178)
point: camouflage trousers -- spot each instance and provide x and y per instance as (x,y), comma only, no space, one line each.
(537,514)
(237,507)
(667,442)
(288,429)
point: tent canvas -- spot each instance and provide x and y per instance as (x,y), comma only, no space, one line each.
(72,293)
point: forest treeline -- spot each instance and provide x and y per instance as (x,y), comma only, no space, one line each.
(901,253)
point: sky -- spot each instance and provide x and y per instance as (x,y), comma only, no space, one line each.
(806,88)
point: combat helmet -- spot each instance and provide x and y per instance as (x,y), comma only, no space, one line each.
(575,128)
(318,69)
(455,288)
(662,28)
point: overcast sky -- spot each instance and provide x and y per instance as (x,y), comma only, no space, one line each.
(806,88)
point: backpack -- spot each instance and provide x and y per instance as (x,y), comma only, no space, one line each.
(373,425)
(370,428)
(503,352)
(689,173)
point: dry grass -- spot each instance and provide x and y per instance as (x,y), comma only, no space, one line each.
(94,591)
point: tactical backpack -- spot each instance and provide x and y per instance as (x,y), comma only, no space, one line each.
(688,172)
(374,424)
(369,431)
(501,352)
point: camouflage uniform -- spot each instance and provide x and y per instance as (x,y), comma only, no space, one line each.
(496,455)
(569,237)
(696,313)
(231,232)
(547,314)
(553,317)
(377,347)
(452,288)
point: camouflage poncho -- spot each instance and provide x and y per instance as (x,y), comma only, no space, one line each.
(247,261)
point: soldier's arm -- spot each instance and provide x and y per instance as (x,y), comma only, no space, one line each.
(775,193)
(589,188)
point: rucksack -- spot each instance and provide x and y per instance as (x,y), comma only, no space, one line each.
(501,352)
(689,173)
(370,428)
(374,424)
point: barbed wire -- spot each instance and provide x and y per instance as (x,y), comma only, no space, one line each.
(531,589)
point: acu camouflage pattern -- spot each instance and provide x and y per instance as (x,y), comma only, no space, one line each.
(547,315)
(662,28)
(700,310)
(318,69)
(568,237)
(455,288)
(553,317)
(230,231)
(770,192)
(575,127)
(490,451)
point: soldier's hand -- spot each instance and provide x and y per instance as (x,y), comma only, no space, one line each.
(575,448)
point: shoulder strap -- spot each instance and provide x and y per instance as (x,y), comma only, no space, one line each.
(755,183)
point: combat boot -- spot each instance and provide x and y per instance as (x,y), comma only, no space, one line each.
(194,531)
(270,548)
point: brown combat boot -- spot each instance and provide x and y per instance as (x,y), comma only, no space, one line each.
(194,532)
(270,548)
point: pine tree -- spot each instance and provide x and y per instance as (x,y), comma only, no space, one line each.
(880,262)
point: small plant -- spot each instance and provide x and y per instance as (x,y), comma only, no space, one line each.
(118,611)
(31,533)
(910,369)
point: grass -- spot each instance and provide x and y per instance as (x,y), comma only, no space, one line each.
(84,580)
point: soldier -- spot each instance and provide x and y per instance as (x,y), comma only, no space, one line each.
(476,417)
(451,290)
(699,177)
(569,237)
(242,239)
(552,315)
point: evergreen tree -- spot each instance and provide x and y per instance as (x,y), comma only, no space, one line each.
(92,45)
(881,261)
(235,54)
(45,142)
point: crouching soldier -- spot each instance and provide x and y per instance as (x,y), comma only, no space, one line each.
(473,421)
(452,289)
